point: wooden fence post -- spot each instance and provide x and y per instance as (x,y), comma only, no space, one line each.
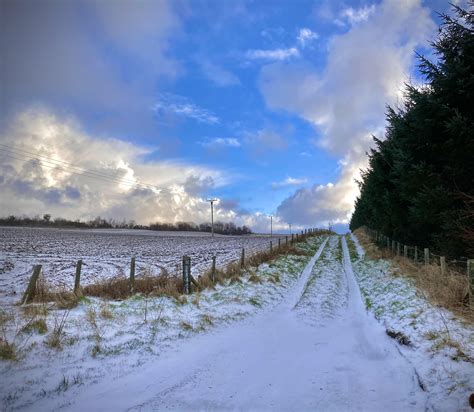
(292,239)
(132,275)
(30,292)
(242,258)
(442,263)
(279,243)
(286,240)
(470,276)
(427,256)
(405,251)
(213,269)
(416,253)
(186,274)
(388,243)
(398,248)
(393,247)
(77,279)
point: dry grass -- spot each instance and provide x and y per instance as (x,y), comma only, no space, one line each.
(151,285)
(449,291)
(62,299)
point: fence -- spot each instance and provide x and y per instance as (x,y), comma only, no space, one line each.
(188,279)
(426,257)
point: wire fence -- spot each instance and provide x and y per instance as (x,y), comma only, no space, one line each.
(462,266)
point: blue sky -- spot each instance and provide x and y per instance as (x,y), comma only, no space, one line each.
(266,105)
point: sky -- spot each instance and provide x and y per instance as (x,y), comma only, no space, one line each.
(143,110)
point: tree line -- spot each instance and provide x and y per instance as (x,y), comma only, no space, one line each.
(419,185)
(228,228)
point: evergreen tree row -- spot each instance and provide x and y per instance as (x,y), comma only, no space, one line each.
(419,186)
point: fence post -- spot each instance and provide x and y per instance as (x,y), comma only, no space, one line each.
(398,248)
(186,273)
(470,276)
(427,256)
(279,243)
(416,253)
(388,243)
(393,247)
(242,258)
(442,263)
(292,238)
(77,279)
(132,275)
(286,240)
(31,289)
(405,251)
(213,269)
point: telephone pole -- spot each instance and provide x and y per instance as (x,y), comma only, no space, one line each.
(271,226)
(289,224)
(212,214)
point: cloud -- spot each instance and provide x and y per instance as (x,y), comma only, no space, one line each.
(218,75)
(50,165)
(354,16)
(53,53)
(276,54)
(306,37)
(181,106)
(366,69)
(220,142)
(289,181)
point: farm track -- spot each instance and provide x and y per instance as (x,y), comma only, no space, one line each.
(317,350)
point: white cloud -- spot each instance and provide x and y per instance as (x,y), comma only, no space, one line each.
(218,75)
(366,69)
(289,181)
(306,36)
(220,142)
(109,176)
(181,106)
(355,16)
(276,54)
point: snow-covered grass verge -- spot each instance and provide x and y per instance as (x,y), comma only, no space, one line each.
(56,353)
(439,345)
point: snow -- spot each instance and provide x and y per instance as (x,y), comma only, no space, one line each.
(274,361)
(442,346)
(310,334)
(107,252)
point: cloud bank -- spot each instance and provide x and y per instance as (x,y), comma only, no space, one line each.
(366,69)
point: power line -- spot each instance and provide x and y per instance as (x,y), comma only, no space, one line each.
(67,164)
(70,168)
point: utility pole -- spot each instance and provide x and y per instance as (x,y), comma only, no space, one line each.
(289,224)
(271,226)
(212,214)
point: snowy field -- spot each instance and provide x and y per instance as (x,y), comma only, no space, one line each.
(107,253)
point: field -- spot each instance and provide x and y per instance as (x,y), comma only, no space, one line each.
(107,253)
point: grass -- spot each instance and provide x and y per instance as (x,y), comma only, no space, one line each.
(449,290)
(55,338)
(148,284)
